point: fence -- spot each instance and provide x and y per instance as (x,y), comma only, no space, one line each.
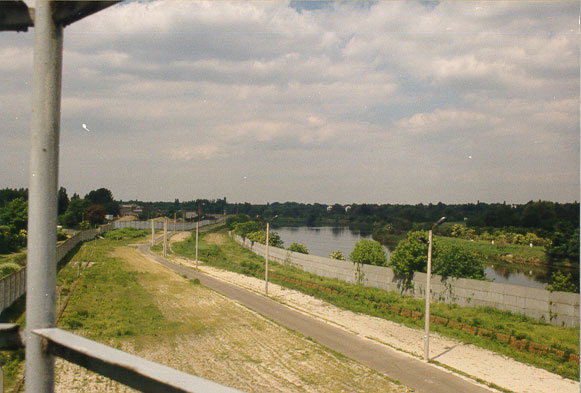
(557,308)
(14,285)
(179,226)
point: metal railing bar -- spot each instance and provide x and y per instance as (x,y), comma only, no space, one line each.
(130,370)
(10,336)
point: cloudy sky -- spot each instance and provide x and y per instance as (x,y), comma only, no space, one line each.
(381,102)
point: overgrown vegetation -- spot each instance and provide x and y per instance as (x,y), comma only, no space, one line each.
(368,252)
(230,256)
(126,233)
(109,301)
(298,247)
(448,259)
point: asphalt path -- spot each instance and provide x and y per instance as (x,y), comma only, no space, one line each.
(410,371)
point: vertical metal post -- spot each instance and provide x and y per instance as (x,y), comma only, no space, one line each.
(152,233)
(266,264)
(197,235)
(428,296)
(42,200)
(165,236)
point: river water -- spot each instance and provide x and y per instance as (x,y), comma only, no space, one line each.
(323,241)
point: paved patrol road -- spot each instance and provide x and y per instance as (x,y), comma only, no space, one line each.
(410,371)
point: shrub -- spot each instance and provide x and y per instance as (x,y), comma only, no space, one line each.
(454,261)
(244,228)
(7,269)
(298,247)
(369,252)
(260,237)
(233,220)
(560,282)
(337,255)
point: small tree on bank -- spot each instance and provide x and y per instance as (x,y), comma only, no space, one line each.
(369,252)
(298,247)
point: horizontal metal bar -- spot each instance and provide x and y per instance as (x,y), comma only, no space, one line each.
(123,367)
(10,336)
(67,12)
(15,16)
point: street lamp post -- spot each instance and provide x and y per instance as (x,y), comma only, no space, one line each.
(266,256)
(428,277)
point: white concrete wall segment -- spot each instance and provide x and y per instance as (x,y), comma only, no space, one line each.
(14,285)
(557,308)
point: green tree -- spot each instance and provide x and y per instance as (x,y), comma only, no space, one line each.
(411,254)
(63,200)
(244,228)
(104,197)
(298,247)
(15,215)
(233,220)
(369,252)
(454,261)
(95,214)
(274,239)
(75,212)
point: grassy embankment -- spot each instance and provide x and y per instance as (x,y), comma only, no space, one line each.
(501,325)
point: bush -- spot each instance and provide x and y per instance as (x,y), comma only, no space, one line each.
(560,282)
(298,247)
(337,255)
(454,261)
(233,220)
(369,252)
(244,228)
(7,269)
(274,239)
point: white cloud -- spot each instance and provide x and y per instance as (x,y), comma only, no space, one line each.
(187,153)
(345,94)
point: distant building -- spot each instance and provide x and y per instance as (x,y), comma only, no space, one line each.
(191,215)
(130,210)
(109,217)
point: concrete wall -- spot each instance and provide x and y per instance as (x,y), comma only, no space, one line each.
(179,226)
(14,285)
(558,308)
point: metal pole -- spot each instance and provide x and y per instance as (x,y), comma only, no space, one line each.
(428,291)
(152,233)
(165,236)
(197,234)
(266,265)
(42,200)
(427,316)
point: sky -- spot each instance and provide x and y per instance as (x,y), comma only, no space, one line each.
(328,102)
